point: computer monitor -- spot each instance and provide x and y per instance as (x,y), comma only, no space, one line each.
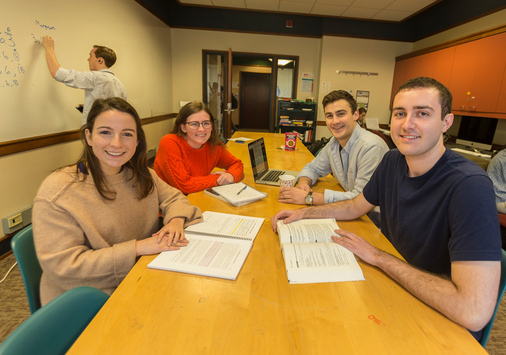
(477,132)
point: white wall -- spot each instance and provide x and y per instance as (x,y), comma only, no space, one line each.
(181,52)
(149,85)
(187,46)
(348,54)
(39,105)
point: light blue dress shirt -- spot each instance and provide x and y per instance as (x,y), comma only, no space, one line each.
(99,84)
(352,166)
(497,172)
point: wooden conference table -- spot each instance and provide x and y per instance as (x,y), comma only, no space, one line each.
(162,312)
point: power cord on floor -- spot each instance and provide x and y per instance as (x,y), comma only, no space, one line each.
(8,272)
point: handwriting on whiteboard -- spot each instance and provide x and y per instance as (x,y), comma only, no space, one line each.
(11,66)
(44,26)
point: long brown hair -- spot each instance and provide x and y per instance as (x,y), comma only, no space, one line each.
(138,164)
(189,109)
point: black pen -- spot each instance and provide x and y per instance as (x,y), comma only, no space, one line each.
(241,190)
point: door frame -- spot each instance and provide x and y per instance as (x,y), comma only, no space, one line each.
(274,78)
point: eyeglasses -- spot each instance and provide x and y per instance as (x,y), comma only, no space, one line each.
(196,124)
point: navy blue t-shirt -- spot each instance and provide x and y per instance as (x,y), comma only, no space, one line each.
(448,214)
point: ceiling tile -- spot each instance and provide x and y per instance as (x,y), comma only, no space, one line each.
(328,10)
(196,2)
(305,1)
(389,10)
(390,15)
(334,2)
(240,4)
(292,6)
(360,12)
(265,5)
(409,5)
(372,4)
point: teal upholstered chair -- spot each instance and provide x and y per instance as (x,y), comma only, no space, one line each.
(24,250)
(56,326)
(502,286)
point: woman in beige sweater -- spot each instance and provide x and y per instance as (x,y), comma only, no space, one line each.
(93,219)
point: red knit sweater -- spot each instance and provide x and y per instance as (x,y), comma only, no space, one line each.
(189,169)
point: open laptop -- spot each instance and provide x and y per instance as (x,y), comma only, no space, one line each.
(261,172)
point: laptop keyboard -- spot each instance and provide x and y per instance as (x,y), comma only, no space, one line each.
(273,175)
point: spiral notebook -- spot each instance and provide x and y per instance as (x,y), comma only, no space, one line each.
(238,194)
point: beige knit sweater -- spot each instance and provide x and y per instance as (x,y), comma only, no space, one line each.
(82,239)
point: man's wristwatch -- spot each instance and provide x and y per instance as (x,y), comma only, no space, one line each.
(309,198)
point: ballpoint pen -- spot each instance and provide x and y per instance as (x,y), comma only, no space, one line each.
(241,190)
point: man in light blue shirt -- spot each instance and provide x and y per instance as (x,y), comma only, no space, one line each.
(351,155)
(497,172)
(98,83)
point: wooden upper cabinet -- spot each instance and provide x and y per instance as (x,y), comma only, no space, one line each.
(443,65)
(437,65)
(422,65)
(501,102)
(477,74)
(399,71)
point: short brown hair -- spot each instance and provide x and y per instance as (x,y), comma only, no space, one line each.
(337,95)
(423,82)
(107,54)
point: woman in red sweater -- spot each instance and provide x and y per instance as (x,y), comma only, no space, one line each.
(186,156)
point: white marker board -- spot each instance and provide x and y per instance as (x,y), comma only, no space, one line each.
(34,104)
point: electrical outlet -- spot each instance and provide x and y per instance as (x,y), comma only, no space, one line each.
(14,220)
(17,220)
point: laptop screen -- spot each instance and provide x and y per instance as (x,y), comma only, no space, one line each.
(372,123)
(258,157)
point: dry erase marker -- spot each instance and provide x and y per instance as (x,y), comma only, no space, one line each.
(241,190)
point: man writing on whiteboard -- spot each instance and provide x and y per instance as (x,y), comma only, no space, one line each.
(437,209)
(98,83)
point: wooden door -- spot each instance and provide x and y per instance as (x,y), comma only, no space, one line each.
(254,101)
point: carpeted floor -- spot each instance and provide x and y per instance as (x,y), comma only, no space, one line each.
(13,303)
(14,308)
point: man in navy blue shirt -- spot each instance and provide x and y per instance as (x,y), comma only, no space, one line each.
(437,210)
